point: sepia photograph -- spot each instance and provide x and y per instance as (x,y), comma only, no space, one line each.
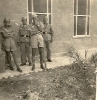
(48,49)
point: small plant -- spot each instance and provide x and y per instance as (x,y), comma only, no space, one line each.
(75,55)
(93,59)
(79,67)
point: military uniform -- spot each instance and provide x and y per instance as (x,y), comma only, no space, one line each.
(36,41)
(36,36)
(24,40)
(1,40)
(8,44)
(48,38)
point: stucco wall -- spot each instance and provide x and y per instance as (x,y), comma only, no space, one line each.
(13,10)
(62,22)
(89,42)
(93,23)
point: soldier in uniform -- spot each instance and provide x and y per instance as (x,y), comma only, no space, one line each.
(8,44)
(37,41)
(48,37)
(7,65)
(24,41)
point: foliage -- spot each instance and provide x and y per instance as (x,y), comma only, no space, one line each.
(64,83)
(72,82)
(93,59)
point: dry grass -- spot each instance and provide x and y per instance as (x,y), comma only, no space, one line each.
(64,83)
(71,82)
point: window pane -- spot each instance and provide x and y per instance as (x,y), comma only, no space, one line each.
(41,16)
(49,6)
(40,6)
(88,7)
(29,6)
(75,2)
(81,20)
(75,25)
(88,26)
(82,7)
(49,19)
(30,18)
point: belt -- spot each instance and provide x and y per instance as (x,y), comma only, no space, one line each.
(46,33)
(39,32)
(25,36)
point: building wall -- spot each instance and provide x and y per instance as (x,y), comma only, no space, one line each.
(62,22)
(89,42)
(93,23)
(13,10)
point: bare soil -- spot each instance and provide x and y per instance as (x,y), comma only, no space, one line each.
(64,83)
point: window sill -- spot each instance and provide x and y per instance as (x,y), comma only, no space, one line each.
(81,36)
(95,35)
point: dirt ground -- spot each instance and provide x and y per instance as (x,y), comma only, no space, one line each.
(62,83)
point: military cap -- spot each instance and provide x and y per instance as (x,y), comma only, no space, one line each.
(6,20)
(23,18)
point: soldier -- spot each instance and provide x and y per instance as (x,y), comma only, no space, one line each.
(24,41)
(37,41)
(48,37)
(7,65)
(8,43)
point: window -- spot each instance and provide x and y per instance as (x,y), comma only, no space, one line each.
(41,8)
(81,17)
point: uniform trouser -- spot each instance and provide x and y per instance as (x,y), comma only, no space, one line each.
(41,53)
(48,49)
(25,52)
(8,56)
(6,59)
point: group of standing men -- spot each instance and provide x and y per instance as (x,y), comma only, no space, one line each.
(35,35)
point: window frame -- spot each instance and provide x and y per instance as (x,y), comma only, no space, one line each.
(47,13)
(86,22)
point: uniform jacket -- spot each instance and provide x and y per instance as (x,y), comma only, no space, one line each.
(35,29)
(24,33)
(8,38)
(48,32)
